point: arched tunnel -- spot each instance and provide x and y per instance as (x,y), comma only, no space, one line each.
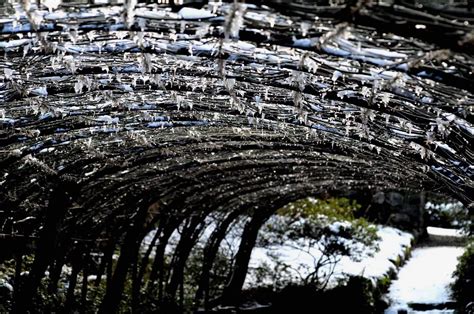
(122,117)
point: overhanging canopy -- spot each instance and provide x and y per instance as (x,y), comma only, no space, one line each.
(225,106)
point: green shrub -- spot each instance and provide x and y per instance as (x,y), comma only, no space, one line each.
(337,208)
(448,215)
(356,295)
(463,286)
(328,225)
(384,283)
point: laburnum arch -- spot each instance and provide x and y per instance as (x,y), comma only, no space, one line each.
(120,117)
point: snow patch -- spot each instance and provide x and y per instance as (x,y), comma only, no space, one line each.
(194,14)
(436,231)
(392,243)
(425,278)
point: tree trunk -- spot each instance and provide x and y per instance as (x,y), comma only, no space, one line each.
(135,287)
(104,262)
(46,247)
(146,256)
(17,282)
(84,288)
(209,255)
(232,291)
(157,271)
(70,297)
(183,249)
(128,253)
(56,269)
(140,269)
(110,264)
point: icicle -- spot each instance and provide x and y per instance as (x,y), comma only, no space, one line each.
(385,98)
(78,85)
(129,12)
(234,21)
(229,84)
(8,73)
(336,75)
(366,92)
(304,28)
(424,153)
(145,63)
(52,4)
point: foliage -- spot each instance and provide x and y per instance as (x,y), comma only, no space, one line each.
(48,302)
(217,277)
(463,285)
(384,282)
(44,301)
(448,215)
(328,225)
(356,295)
(334,208)
(7,273)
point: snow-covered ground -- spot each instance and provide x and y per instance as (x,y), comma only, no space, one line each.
(445,232)
(425,278)
(392,244)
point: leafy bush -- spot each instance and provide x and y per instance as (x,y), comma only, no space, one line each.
(447,215)
(328,225)
(357,295)
(334,208)
(463,286)
(44,301)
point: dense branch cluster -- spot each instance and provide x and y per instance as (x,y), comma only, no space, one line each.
(120,117)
